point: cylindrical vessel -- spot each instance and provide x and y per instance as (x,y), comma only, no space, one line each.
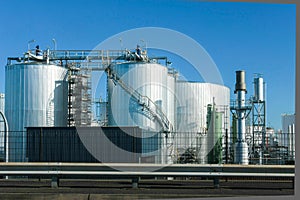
(293,149)
(258,89)
(171,92)
(241,125)
(202,149)
(150,80)
(36,95)
(241,147)
(192,100)
(240,81)
(2,133)
(215,130)
(2,101)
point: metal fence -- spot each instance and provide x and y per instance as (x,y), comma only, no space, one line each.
(128,145)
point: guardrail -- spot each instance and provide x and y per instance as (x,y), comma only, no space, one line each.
(57,171)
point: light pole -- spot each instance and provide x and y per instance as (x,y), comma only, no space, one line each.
(121,43)
(28,44)
(54,42)
(145,44)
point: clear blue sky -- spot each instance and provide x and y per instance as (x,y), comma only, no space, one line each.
(259,38)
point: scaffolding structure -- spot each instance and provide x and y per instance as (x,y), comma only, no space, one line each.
(258,142)
(79,97)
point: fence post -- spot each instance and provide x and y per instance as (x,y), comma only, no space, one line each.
(216,182)
(135,182)
(54,182)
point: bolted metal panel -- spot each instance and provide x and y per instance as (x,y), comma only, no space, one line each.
(66,144)
(36,95)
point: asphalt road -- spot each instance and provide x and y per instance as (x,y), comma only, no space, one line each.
(148,189)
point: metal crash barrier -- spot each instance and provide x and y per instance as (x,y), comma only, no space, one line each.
(57,171)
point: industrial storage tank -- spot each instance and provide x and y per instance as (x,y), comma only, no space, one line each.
(2,133)
(258,89)
(192,102)
(153,82)
(2,101)
(36,95)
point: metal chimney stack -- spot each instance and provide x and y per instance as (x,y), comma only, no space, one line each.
(241,147)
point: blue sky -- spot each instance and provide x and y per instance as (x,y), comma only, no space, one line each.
(258,38)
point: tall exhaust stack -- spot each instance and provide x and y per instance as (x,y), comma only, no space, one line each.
(241,147)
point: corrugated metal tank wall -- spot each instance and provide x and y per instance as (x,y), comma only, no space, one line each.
(149,79)
(36,95)
(2,104)
(171,95)
(192,99)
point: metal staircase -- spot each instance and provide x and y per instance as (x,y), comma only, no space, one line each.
(149,107)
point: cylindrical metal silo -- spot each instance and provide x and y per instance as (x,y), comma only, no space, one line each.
(36,95)
(258,89)
(171,114)
(192,99)
(148,79)
(2,101)
(2,133)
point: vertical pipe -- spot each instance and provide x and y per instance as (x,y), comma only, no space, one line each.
(293,141)
(226,144)
(241,147)
(290,140)
(241,125)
